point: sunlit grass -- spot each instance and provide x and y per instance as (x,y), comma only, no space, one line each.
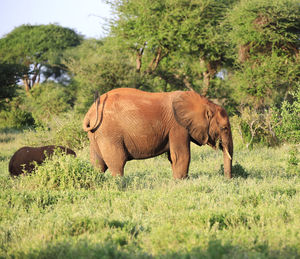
(68,210)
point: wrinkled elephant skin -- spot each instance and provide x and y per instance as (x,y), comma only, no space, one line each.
(126,124)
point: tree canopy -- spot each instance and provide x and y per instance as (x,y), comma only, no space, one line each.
(265,34)
(242,54)
(37,48)
(181,33)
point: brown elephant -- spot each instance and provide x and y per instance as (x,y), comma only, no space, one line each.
(125,124)
(24,158)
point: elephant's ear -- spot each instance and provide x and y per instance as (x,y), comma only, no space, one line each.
(194,113)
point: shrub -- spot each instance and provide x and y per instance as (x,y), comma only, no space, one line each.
(255,126)
(48,100)
(68,131)
(293,161)
(288,119)
(270,126)
(65,130)
(63,172)
(13,116)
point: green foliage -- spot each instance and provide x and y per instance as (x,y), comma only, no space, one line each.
(36,43)
(48,100)
(8,81)
(288,119)
(68,131)
(102,66)
(14,116)
(38,48)
(170,38)
(65,130)
(294,161)
(270,126)
(172,25)
(266,36)
(266,23)
(256,126)
(62,172)
(264,80)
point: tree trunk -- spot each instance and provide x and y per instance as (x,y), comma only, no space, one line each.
(187,83)
(208,74)
(155,61)
(206,82)
(36,75)
(26,82)
(139,55)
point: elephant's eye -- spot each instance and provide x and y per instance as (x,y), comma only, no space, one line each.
(224,128)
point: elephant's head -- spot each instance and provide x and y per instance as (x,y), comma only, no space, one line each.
(206,122)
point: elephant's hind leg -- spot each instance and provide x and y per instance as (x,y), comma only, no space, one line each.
(97,161)
(115,157)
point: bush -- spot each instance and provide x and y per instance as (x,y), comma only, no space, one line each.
(65,130)
(48,100)
(270,126)
(288,119)
(293,161)
(255,126)
(13,116)
(264,80)
(63,172)
(68,131)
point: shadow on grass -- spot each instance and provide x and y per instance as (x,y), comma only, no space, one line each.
(8,130)
(5,158)
(6,139)
(237,171)
(216,249)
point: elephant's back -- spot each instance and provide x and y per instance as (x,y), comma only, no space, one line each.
(17,159)
(133,92)
(131,103)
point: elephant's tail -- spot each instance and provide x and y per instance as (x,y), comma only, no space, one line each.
(90,123)
(87,123)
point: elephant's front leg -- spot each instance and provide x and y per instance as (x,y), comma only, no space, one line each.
(179,152)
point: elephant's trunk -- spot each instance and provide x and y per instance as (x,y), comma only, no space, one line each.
(228,155)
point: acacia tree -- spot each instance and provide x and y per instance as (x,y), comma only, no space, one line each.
(178,32)
(37,48)
(265,34)
(99,65)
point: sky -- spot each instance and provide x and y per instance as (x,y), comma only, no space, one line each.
(87,17)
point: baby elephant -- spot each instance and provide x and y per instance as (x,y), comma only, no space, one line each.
(24,158)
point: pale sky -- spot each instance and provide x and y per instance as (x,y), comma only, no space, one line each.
(87,17)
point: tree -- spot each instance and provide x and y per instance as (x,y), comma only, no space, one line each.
(265,34)
(38,48)
(178,32)
(8,81)
(99,65)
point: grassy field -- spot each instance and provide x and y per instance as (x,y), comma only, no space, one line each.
(67,210)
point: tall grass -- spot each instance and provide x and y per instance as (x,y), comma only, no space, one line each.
(66,209)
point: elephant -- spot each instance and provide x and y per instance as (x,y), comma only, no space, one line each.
(127,123)
(23,159)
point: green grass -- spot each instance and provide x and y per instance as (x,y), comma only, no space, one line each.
(68,210)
